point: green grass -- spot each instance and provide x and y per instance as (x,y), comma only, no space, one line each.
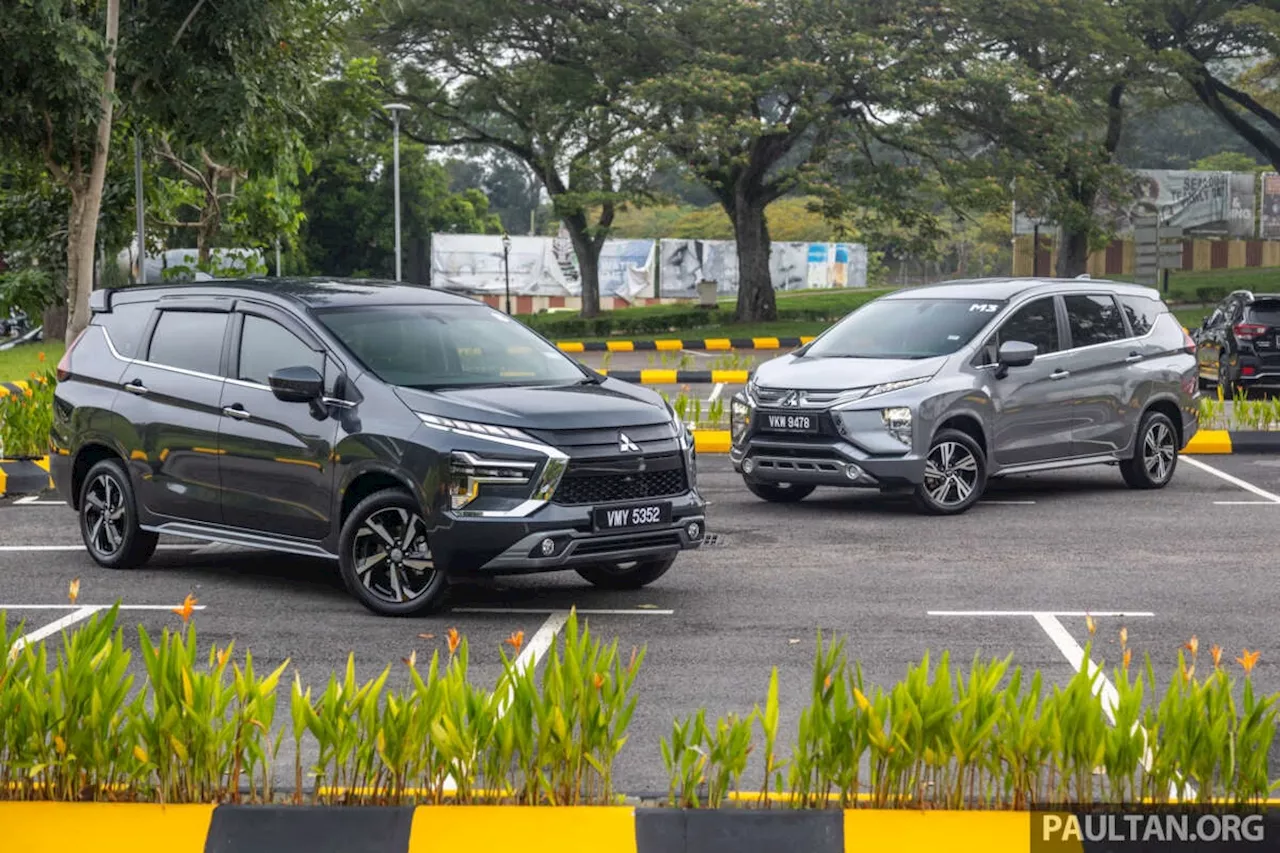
(24,360)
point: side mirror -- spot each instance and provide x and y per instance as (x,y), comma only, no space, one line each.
(1015,354)
(297,384)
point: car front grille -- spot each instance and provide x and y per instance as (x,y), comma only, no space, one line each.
(802,399)
(590,488)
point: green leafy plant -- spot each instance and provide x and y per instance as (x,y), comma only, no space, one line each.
(26,418)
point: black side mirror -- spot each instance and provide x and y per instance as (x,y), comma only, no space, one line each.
(297,384)
(1014,354)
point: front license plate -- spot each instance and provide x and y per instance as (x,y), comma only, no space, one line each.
(624,517)
(790,423)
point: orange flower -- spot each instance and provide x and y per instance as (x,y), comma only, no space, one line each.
(73,590)
(412,660)
(1193,646)
(826,683)
(223,655)
(188,607)
(1216,651)
(40,356)
(515,641)
(1124,637)
(1128,656)
(454,640)
(1189,673)
(1090,624)
(597,680)
(1249,660)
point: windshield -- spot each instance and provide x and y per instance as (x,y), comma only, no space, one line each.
(906,328)
(433,347)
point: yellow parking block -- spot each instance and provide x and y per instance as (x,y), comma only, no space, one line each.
(765,343)
(571,346)
(1209,441)
(718,344)
(104,827)
(668,345)
(560,829)
(620,346)
(712,440)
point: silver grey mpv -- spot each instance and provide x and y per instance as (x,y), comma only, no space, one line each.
(934,390)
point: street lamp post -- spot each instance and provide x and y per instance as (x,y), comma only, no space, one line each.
(395,110)
(506,268)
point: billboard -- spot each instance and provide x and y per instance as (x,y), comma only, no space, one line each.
(1270,226)
(792,266)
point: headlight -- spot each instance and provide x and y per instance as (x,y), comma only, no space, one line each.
(475,429)
(886,387)
(898,422)
(739,419)
(468,472)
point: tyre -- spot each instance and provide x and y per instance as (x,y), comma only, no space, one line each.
(384,558)
(1155,453)
(955,475)
(109,519)
(633,575)
(1224,381)
(787,493)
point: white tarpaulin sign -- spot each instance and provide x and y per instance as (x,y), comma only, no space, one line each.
(792,266)
(473,263)
(626,269)
(1208,204)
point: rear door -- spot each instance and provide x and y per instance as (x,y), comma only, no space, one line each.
(1031,409)
(171,396)
(1100,380)
(276,458)
(1260,326)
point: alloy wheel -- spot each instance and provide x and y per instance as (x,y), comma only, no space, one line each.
(1158,451)
(391,557)
(104,513)
(950,473)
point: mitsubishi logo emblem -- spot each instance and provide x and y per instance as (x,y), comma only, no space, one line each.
(626,445)
(791,399)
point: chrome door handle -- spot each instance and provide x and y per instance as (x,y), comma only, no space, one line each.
(1060,374)
(1133,356)
(237,413)
(136,387)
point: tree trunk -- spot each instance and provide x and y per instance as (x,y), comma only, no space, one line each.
(588,263)
(1073,254)
(83,237)
(55,322)
(756,301)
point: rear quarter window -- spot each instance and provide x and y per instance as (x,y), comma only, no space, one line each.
(125,325)
(1141,313)
(1266,312)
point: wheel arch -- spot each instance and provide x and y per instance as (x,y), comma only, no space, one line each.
(90,454)
(1169,408)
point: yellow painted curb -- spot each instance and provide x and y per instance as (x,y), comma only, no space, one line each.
(1209,441)
(567,829)
(103,827)
(4,481)
(571,346)
(669,345)
(712,441)
(718,344)
(621,346)
(952,831)
(765,343)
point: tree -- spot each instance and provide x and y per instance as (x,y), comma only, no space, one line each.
(57,95)
(513,191)
(537,80)
(754,96)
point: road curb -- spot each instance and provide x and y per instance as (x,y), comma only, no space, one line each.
(24,476)
(1222,441)
(673,377)
(673,344)
(143,828)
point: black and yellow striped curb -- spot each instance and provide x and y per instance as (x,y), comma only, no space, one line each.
(711,344)
(24,476)
(659,376)
(126,828)
(18,386)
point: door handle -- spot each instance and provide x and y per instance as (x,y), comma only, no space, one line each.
(136,387)
(237,411)
(1133,356)
(1059,374)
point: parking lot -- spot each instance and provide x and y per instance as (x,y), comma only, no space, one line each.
(1013,576)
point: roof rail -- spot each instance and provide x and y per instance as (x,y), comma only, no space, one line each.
(1242,292)
(1084,277)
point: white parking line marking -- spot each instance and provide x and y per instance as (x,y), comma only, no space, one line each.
(34,500)
(534,610)
(1235,481)
(1244,503)
(1008,503)
(715,392)
(1081,613)
(98,606)
(53,627)
(18,548)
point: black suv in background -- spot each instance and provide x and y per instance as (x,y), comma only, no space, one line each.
(1238,345)
(408,434)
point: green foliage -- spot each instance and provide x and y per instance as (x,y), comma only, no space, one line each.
(1227,161)
(30,289)
(26,418)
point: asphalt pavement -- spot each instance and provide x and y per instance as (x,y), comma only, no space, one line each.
(1012,576)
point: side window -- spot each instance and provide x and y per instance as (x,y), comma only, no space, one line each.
(1236,311)
(1033,323)
(1141,312)
(266,347)
(191,340)
(1093,320)
(125,324)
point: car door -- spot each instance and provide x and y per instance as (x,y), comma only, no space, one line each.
(1211,340)
(1101,380)
(173,403)
(1030,409)
(276,458)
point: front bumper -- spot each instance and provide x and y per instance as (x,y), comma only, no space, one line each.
(771,459)
(470,545)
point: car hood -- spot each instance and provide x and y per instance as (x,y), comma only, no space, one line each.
(807,373)
(610,404)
